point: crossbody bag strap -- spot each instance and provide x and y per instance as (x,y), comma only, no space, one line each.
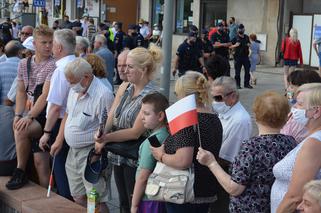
(28,71)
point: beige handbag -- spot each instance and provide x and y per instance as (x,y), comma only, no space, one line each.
(171,185)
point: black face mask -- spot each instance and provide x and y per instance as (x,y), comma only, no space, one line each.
(231,22)
(241,32)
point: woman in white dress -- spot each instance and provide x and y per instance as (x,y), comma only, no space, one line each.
(303,163)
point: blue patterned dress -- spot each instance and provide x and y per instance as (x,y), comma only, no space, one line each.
(252,168)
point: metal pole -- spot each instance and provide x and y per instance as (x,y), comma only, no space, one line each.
(167,47)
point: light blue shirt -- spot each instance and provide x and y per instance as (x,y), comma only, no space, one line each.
(108,57)
(8,72)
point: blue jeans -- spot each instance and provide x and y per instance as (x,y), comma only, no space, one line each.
(187,207)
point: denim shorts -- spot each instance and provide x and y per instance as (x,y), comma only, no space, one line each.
(319,59)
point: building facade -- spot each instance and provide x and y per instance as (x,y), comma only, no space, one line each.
(269,19)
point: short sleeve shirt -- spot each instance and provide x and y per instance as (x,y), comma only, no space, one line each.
(146,159)
(222,38)
(243,49)
(59,86)
(39,73)
(253,168)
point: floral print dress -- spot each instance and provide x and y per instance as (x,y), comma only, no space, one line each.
(252,168)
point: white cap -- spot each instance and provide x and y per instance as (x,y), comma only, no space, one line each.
(28,43)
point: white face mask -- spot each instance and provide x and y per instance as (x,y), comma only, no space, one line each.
(77,88)
(299,115)
(220,107)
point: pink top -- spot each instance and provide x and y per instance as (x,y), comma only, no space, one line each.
(295,129)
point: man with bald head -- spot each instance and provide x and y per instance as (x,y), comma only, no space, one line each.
(26,31)
(8,69)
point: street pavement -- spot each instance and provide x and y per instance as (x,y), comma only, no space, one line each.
(268,78)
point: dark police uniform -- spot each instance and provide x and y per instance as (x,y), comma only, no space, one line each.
(207,46)
(129,41)
(139,41)
(241,58)
(188,58)
(118,42)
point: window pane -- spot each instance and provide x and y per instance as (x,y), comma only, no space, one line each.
(158,13)
(183,15)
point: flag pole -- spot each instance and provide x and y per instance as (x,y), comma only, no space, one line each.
(199,135)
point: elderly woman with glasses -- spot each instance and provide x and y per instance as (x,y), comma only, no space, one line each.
(303,163)
(250,180)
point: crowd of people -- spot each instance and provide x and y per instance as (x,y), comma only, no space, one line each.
(56,83)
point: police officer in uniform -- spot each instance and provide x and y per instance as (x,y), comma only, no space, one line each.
(241,44)
(129,40)
(139,39)
(221,43)
(207,46)
(188,56)
(118,45)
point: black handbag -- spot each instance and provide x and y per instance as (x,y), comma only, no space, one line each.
(127,149)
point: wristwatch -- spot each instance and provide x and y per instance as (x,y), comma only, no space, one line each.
(30,117)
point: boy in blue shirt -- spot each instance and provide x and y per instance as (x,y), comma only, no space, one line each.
(154,118)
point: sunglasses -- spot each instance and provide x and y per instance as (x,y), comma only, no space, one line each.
(25,33)
(219,98)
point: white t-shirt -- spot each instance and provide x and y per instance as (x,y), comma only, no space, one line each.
(59,86)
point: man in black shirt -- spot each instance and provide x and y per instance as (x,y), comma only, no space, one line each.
(118,46)
(221,43)
(241,45)
(188,56)
(206,45)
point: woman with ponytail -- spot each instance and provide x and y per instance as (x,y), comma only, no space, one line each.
(179,150)
(124,122)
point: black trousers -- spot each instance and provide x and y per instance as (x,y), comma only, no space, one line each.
(125,182)
(238,63)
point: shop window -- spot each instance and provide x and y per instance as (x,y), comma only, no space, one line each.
(58,8)
(213,12)
(80,9)
(184,16)
(158,13)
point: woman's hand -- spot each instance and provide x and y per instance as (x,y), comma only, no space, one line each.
(205,157)
(133,209)
(99,147)
(158,152)
(100,139)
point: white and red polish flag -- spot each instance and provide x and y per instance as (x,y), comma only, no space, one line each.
(182,114)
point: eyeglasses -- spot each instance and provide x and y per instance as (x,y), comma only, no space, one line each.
(219,98)
(25,33)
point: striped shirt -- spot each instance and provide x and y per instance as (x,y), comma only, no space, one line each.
(39,73)
(8,72)
(84,113)
(91,31)
(125,116)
